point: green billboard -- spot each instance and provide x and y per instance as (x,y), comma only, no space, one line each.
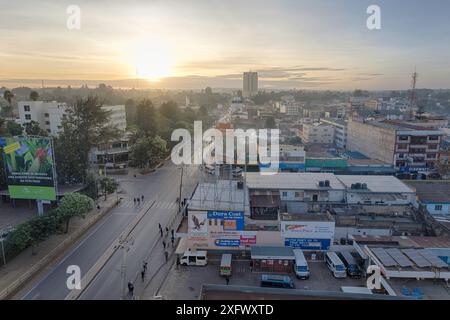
(29,165)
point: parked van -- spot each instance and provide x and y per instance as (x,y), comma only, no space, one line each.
(301,268)
(194,258)
(335,265)
(225,265)
(277,281)
(350,263)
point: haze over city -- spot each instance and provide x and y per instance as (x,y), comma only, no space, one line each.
(193,44)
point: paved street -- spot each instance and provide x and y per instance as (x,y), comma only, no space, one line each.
(162,187)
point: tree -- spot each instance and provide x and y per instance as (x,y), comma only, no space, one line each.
(108,186)
(146,118)
(147,151)
(34,95)
(170,110)
(21,236)
(13,128)
(86,126)
(270,123)
(74,205)
(130,111)
(8,95)
(32,128)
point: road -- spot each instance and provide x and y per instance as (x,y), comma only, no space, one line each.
(160,188)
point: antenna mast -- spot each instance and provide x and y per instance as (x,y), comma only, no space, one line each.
(413,94)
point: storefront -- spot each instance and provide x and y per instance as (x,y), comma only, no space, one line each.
(272,259)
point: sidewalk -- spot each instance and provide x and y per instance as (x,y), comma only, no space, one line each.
(24,266)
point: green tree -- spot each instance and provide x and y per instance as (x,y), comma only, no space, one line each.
(86,126)
(34,95)
(8,95)
(13,128)
(32,128)
(270,123)
(108,186)
(21,236)
(147,151)
(170,111)
(130,111)
(74,205)
(91,185)
(146,118)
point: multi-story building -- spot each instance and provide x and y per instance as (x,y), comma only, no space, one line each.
(340,131)
(250,85)
(317,133)
(410,148)
(48,114)
(292,158)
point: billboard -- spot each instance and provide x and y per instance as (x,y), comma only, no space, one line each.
(198,225)
(30,168)
(232,220)
(308,229)
(307,243)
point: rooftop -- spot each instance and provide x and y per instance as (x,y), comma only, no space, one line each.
(430,191)
(381,184)
(292,181)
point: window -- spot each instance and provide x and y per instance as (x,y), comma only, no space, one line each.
(285,194)
(402,146)
(438,207)
(47,123)
(26,108)
(434,138)
(46,115)
(28,117)
(403,138)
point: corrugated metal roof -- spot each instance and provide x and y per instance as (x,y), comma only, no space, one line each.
(292,181)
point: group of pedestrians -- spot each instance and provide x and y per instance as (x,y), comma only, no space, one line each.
(138,200)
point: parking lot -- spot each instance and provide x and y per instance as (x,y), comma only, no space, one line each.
(185,282)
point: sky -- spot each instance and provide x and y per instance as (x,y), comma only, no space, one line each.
(303,44)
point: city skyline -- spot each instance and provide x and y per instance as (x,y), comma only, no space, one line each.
(212,43)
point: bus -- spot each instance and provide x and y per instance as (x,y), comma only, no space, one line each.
(301,268)
(335,265)
(350,263)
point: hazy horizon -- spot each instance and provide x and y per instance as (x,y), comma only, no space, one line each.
(316,45)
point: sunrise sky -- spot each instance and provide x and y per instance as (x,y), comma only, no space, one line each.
(305,44)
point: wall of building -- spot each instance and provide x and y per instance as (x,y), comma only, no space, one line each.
(373,141)
(433,208)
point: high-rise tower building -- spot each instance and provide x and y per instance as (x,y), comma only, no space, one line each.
(250,85)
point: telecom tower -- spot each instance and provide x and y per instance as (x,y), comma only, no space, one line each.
(413,95)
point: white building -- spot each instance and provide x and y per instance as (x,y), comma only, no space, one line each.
(340,131)
(250,85)
(317,133)
(47,113)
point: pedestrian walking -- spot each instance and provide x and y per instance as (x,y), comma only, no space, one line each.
(167,231)
(138,201)
(173,233)
(178,260)
(130,288)
(161,232)
(159,226)
(164,244)
(227,279)
(142,197)
(134,199)
(144,265)
(166,254)
(172,240)
(143,275)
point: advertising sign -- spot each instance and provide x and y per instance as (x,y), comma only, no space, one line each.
(308,229)
(29,165)
(308,244)
(198,224)
(227,242)
(232,220)
(248,239)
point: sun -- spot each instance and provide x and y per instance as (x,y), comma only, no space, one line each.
(151,60)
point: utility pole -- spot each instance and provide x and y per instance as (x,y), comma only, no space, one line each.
(124,245)
(181,186)
(413,95)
